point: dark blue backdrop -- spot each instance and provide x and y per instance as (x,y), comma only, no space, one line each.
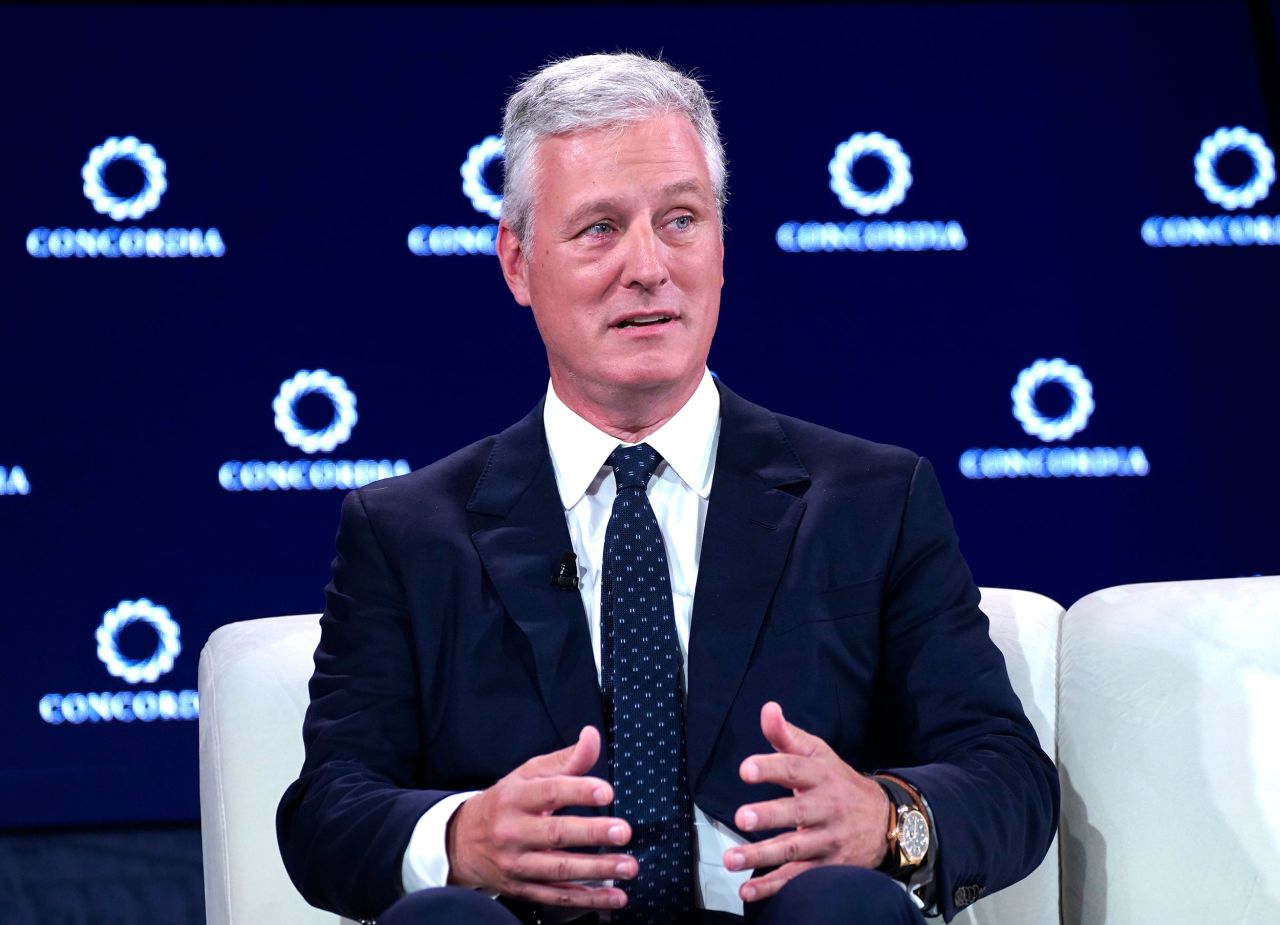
(314,140)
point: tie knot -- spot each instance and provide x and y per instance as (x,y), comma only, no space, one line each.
(633,465)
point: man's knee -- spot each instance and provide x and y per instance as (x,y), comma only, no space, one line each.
(844,895)
(448,905)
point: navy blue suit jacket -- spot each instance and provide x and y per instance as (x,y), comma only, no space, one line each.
(830,581)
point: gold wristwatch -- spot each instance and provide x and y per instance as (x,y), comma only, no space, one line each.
(908,826)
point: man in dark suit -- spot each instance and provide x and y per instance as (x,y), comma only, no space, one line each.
(649,579)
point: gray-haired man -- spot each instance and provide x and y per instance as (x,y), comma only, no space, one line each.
(622,749)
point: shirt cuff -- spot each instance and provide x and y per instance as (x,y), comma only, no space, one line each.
(426,859)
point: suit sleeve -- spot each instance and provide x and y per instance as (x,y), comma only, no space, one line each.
(344,824)
(993,792)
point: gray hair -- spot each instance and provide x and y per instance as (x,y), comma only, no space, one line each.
(594,91)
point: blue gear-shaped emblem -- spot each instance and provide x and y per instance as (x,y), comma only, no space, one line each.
(871,144)
(1253,189)
(478,160)
(135,671)
(124,149)
(1024,399)
(332,387)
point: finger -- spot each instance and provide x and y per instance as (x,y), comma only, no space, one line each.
(795,772)
(785,813)
(785,736)
(571,894)
(540,832)
(547,794)
(575,759)
(585,751)
(565,866)
(781,849)
(758,888)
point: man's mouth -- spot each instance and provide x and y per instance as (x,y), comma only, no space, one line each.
(644,321)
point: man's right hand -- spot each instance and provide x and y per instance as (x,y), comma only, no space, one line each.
(506,840)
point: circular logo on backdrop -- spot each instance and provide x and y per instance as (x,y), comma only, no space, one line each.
(483,199)
(1036,422)
(315,382)
(1253,189)
(124,149)
(870,202)
(132,670)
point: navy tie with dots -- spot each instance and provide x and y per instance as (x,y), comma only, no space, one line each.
(644,714)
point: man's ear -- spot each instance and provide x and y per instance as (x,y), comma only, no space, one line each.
(515,266)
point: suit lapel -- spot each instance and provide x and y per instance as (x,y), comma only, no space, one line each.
(521,536)
(751,524)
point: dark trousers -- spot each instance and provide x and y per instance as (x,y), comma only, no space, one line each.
(838,895)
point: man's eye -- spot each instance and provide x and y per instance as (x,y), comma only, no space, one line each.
(683,223)
(598,228)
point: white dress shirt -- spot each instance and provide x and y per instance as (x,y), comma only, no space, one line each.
(678,493)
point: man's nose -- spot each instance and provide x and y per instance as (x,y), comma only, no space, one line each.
(645,256)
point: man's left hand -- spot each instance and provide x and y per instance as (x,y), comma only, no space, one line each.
(835,815)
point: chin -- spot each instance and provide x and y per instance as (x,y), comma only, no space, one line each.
(646,377)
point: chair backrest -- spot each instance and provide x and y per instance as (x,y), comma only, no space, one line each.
(1025,627)
(1169,751)
(253,693)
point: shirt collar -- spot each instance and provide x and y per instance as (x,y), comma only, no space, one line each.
(687,442)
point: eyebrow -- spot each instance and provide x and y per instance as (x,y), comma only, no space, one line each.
(675,188)
(688,185)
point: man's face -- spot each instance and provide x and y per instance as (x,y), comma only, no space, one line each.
(625,264)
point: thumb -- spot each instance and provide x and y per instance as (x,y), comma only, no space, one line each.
(586,750)
(782,735)
(575,760)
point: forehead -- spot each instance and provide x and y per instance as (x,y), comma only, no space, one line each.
(659,151)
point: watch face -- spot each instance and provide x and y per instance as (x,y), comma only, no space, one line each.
(913,835)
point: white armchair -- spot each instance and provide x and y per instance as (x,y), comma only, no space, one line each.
(1026,627)
(1169,753)
(253,693)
